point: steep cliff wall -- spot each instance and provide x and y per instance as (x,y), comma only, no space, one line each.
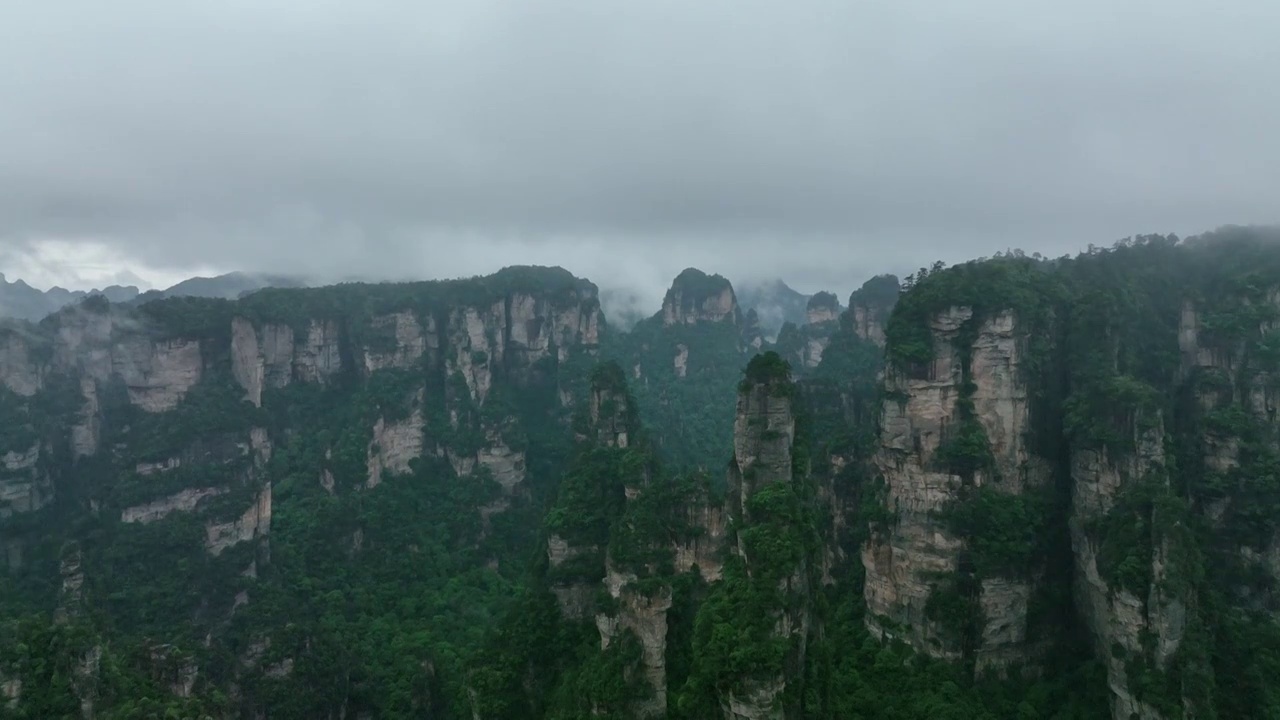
(953,432)
(180,435)
(770,570)
(696,297)
(1123,401)
(870,306)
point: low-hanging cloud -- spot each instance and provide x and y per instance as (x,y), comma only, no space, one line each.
(820,140)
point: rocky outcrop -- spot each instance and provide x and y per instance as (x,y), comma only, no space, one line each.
(158,374)
(696,297)
(85,432)
(905,561)
(575,599)
(19,370)
(174,670)
(902,561)
(814,346)
(757,701)
(272,356)
(394,445)
(101,345)
(823,307)
(247,362)
(1117,617)
(153,468)
(1001,403)
(477,341)
(764,439)
(255,522)
(84,680)
(11,690)
(645,616)
(681,360)
(184,501)
(410,343)
(503,463)
(539,326)
(764,431)
(319,356)
(24,487)
(803,346)
(870,307)
(704,550)
(610,412)
(71,570)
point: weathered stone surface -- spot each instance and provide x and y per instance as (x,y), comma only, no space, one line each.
(646,618)
(822,308)
(411,341)
(704,550)
(506,465)
(176,672)
(904,561)
(685,304)
(276,343)
(184,501)
(608,411)
(760,701)
(764,430)
(247,363)
(681,360)
(814,347)
(254,523)
(393,446)
(11,689)
(157,374)
(476,346)
(1115,616)
(764,434)
(320,357)
(574,599)
(18,369)
(23,487)
(85,433)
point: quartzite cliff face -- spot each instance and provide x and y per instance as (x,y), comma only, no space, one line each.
(909,561)
(764,466)
(171,416)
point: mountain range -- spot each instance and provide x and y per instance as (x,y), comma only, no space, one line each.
(20,300)
(1012,488)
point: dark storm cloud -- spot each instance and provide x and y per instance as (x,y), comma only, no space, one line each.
(820,139)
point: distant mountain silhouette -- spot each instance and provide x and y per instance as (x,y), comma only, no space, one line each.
(775,303)
(20,300)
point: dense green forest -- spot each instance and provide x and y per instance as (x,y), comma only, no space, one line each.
(1021,488)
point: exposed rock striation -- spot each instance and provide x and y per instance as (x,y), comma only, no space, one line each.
(24,485)
(973,390)
(19,369)
(870,307)
(696,297)
(763,478)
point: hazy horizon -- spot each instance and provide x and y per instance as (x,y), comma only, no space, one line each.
(820,142)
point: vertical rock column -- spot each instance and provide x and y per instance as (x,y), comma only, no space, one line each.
(771,542)
(954,433)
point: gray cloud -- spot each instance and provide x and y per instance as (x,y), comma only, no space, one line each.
(824,140)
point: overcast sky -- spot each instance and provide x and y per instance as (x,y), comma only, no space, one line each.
(820,141)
